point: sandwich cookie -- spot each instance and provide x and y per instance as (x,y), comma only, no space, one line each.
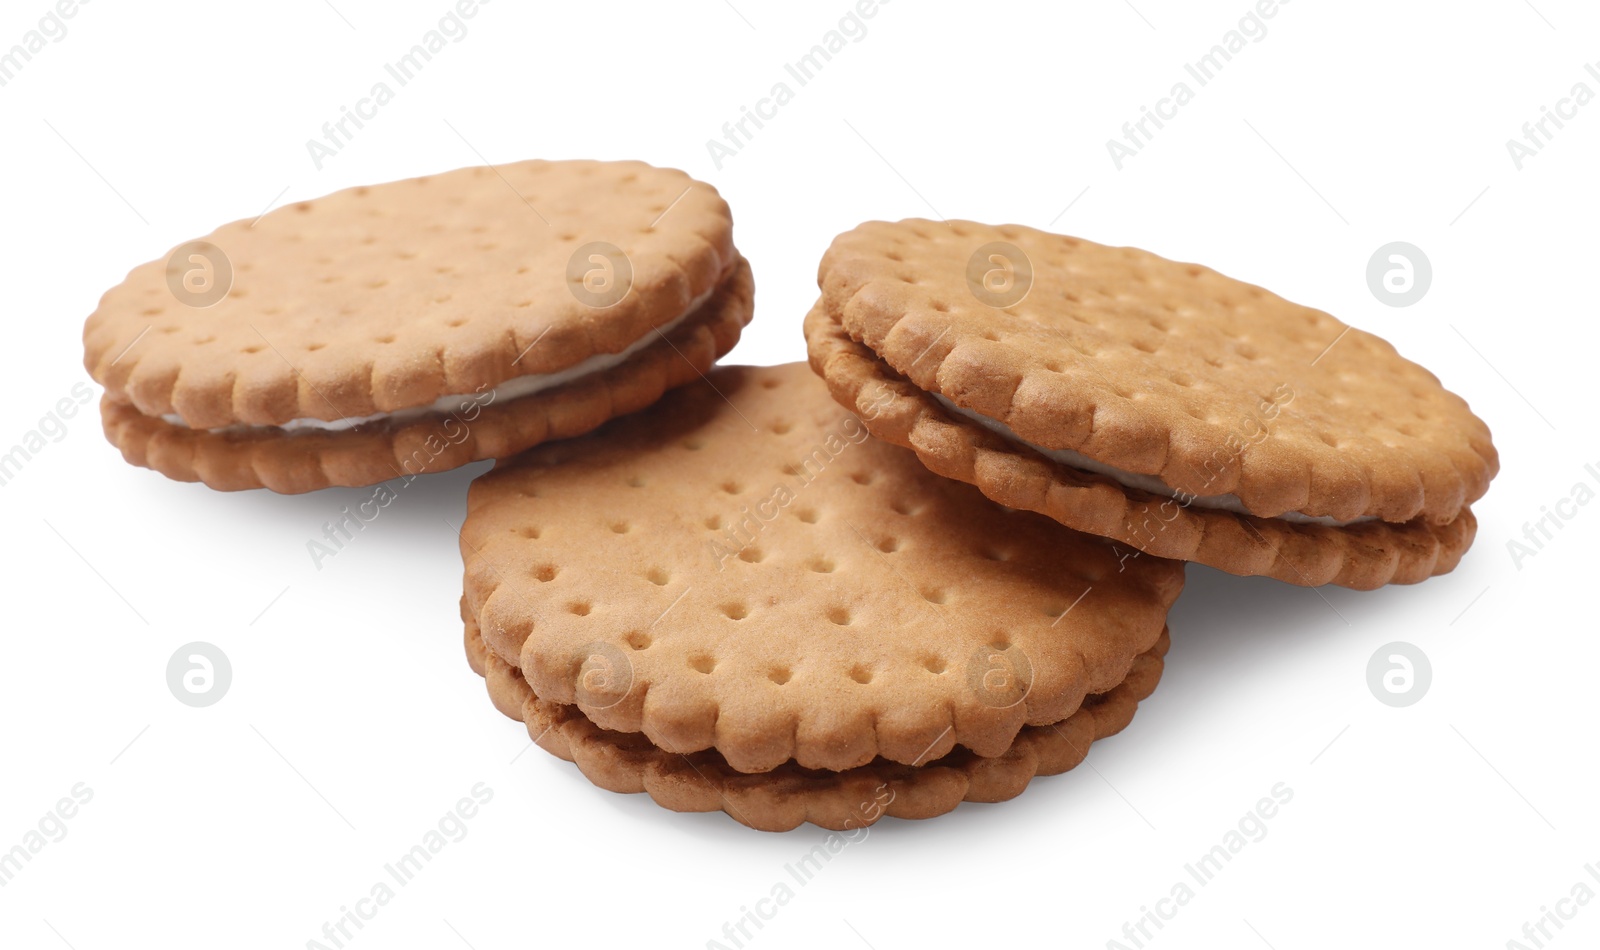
(417,326)
(741,576)
(1176,411)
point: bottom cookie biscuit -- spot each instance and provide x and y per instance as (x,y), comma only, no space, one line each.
(789,795)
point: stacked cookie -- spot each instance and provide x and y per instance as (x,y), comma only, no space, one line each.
(417,326)
(738,600)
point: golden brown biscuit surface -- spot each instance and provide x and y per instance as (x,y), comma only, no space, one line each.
(741,568)
(1149,365)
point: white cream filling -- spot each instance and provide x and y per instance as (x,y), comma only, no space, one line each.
(1148,483)
(514,388)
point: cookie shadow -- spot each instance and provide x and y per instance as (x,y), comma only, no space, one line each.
(428,501)
(1222,622)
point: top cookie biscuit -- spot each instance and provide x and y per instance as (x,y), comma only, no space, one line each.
(1149,366)
(385,298)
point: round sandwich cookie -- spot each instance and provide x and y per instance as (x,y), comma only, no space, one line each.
(1176,411)
(742,575)
(413,327)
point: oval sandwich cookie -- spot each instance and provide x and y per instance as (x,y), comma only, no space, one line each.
(737,599)
(1172,409)
(417,326)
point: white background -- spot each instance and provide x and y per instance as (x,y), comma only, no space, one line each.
(353,723)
